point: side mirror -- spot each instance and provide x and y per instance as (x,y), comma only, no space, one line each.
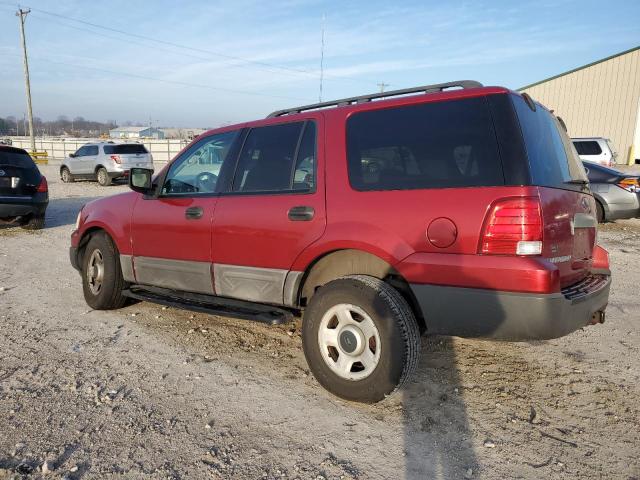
(140,181)
(72,155)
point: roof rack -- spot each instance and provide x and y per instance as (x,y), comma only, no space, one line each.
(438,87)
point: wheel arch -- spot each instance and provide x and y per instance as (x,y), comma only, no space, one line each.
(605,206)
(339,263)
(86,236)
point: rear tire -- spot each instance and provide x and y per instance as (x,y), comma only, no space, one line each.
(65,175)
(35,222)
(103,177)
(360,338)
(102,280)
(600,212)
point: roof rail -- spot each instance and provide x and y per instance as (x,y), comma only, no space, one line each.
(438,87)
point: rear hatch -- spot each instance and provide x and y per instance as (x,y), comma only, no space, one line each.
(129,155)
(19,176)
(568,208)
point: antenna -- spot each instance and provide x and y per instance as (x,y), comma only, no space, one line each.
(382,85)
(321,59)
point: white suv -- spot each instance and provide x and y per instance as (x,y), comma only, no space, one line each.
(104,162)
(596,149)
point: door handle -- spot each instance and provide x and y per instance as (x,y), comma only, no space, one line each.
(301,214)
(193,213)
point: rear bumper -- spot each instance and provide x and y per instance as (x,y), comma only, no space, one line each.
(481,313)
(17,207)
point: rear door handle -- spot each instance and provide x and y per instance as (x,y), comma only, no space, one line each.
(193,213)
(301,214)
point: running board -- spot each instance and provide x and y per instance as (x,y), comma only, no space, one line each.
(211,304)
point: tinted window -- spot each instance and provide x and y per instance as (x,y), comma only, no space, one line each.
(92,150)
(433,145)
(599,174)
(16,159)
(82,151)
(124,149)
(197,170)
(304,174)
(552,159)
(587,148)
(267,158)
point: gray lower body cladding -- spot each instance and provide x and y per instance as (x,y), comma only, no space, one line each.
(479,313)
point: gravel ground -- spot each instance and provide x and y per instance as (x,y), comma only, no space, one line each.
(151,392)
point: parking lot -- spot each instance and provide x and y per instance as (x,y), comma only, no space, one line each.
(161,393)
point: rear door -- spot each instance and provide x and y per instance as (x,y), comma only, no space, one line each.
(171,234)
(274,209)
(568,207)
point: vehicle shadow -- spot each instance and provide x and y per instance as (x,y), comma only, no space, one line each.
(438,435)
(64,211)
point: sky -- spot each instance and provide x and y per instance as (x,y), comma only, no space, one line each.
(208,63)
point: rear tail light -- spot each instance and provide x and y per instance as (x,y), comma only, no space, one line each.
(116,158)
(630,185)
(513,226)
(43,186)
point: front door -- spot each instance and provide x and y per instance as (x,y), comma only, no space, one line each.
(275,209)
(171,234)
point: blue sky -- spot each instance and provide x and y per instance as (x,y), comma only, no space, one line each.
(249,57)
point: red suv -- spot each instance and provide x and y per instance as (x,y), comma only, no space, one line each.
(451,209)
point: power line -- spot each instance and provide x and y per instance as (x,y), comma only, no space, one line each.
(162,80)
(200,50)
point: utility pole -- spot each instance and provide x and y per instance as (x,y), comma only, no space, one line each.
(22,14)
(382,85)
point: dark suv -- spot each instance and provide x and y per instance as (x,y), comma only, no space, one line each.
(24,193)
(450,209)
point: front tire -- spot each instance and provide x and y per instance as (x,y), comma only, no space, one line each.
(102,281)
(65,175)
(360,338)
(103,177)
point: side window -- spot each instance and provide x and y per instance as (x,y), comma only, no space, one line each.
(587,147)
(431,145)
(267,159)
(304,176)
(197,170)
(82,151)
(92,150)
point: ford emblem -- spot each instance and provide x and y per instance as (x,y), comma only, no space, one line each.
(2,173)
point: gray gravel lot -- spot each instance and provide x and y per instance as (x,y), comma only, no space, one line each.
(151,392)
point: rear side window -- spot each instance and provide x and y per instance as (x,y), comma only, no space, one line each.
(552,159)
(124,149)
(268,157)
(432,145)
(587,147)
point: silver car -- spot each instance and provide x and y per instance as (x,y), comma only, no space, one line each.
(617,193)
(104,162)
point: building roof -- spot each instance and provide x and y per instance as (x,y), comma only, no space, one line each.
(580,68)
(128,129)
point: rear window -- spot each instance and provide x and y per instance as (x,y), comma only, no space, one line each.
(16,159)
(124,149)
(431,145)
(587,147)
(552,159)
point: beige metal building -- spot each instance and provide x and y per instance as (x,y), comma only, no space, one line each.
(601,99)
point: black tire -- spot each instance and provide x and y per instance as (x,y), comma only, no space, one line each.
(65,175)
(35,222)
(108,295)
(102,176)
(396,327)
(600,212)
